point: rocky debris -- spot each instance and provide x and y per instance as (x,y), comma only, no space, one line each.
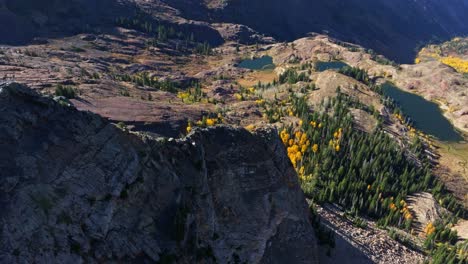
(221,90)
(363,120)
(241,34)
(363,245)
(328,81)
(228,71)
(245,113)
(426,210)
(216,4)
(462,229)
(75,188)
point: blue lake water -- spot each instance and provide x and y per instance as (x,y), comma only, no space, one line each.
(329,65)
(426,115)
(263,63)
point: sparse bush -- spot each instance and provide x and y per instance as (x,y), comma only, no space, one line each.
(291,76)
(124,93)
(203,48)
(65,91)
(122,126)
(144,79)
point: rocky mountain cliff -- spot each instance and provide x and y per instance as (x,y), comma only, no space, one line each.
(75,188)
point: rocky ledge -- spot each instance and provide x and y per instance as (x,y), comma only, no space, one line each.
(75,188)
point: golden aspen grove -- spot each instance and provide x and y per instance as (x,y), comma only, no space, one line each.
(451,53)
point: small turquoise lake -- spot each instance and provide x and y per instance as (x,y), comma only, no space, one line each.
(329,65)
(425,115)
(263,63)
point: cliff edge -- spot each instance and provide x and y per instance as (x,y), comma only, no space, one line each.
(76,188)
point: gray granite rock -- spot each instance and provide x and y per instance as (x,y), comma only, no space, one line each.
(77,189)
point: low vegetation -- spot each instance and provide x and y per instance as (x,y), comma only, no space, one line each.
(291,76)
(449,53)
(381,59)
(167,34)
(356,73)
(145,79)
(458,64)
(65,91)
(206,121)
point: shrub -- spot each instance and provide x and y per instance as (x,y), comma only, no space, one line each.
(65,91)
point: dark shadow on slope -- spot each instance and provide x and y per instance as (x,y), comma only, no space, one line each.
(393,28)
(344,252)
(22,21)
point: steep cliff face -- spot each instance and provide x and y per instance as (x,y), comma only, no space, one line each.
(75,188)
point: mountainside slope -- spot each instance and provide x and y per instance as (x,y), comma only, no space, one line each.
(22,20)
(74,188)
(39,20)
(393,28)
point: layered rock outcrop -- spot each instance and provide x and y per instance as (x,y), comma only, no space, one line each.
(74,188)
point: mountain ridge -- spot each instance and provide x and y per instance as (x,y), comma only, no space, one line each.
(394,28)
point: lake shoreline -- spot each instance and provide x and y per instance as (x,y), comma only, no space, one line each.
(423,120)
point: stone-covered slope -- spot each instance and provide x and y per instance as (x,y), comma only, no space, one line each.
(76,189)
